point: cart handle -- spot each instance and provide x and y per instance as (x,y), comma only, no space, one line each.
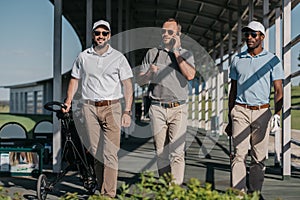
(54,106)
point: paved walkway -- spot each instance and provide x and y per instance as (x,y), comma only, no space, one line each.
(207,158)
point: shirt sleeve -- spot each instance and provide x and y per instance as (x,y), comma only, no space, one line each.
(189,58)
(277,72)
(233,73)
(125,69)
(77,67)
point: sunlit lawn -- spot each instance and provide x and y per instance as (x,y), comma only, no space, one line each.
(28,121)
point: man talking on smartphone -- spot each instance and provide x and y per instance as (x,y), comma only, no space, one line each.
(168,69)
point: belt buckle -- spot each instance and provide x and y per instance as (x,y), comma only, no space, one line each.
(97,103)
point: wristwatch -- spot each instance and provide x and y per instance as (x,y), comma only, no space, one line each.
(128,112)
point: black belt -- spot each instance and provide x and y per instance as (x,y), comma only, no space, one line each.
(258,107)
(101,103)
(168,104)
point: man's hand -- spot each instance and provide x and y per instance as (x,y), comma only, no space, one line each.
(177,42)
(126,120)
(153,68)
(275,123)
(67,107)
(228,129)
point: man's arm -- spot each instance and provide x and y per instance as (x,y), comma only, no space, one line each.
(231,102)
(278,96)
(72,88)
(144,77)
(128,95)
(187,70)
(232,95)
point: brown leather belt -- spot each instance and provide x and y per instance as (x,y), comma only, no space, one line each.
(254,107)
(101,103)
(168,104)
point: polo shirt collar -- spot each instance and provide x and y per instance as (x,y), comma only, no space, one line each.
(246,54)
(91,50)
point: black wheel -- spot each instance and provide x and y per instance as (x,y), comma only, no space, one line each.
(90,185)
(42,187)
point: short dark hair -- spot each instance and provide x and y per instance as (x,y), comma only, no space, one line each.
(174,20)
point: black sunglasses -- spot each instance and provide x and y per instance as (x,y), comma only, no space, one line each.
(252,33)
(170,32)
(104,33)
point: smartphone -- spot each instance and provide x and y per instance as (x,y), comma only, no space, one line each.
(173,41)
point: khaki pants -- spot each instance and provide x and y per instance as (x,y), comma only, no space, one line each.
(250,128)
(169,131)
(103,142)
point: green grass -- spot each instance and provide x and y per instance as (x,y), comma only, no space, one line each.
(295,113)
(28,121)
(4,108)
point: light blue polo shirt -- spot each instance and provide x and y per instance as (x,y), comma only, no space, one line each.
(254,76)
(101,75)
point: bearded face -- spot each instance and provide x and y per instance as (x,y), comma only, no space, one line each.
(101,36)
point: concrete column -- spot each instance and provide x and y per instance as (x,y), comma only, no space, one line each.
(120,20)
(108,11)
(57,83)
(89,23)
(286,128)
(251,10)
(220,86)
(277,33)
(239,29)
(266,11)
(278,134)
(206,105)
(214,81)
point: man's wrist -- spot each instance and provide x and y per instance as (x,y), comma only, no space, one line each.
(127,112)
(68,101)
(176,49)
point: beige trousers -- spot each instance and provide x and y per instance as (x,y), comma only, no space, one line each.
(169,131)
(102,140)
(250,128)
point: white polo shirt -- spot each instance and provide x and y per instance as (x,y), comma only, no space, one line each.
(101,75)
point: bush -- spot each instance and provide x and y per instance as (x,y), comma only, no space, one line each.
(4,195)
(164,188)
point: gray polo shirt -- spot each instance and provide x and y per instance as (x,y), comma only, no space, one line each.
(168,84)
(101,75)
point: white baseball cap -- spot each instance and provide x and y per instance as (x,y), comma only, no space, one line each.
(101,23)
(255,26)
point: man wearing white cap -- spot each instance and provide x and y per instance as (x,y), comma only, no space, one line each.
(252,73)
(102,72)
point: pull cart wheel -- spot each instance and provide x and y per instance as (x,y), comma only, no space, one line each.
(42,185)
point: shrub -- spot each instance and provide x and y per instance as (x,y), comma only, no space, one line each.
(162,188)
(4,195)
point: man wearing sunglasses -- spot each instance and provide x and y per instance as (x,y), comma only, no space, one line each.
(253,73)
(102,72)
(168,68)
